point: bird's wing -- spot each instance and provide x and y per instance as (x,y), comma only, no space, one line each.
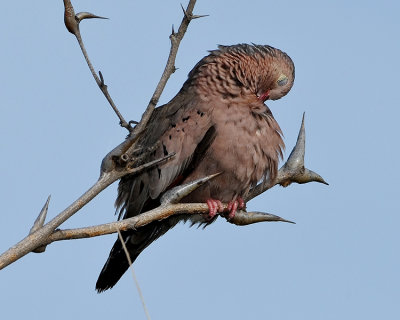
(181,127)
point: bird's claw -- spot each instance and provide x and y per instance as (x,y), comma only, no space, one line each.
(214,206)
(234,205)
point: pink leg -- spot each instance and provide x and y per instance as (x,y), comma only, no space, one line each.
(241,204)
(234,205)
(214,206)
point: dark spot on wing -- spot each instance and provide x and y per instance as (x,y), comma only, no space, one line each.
(200,113)
(165,150)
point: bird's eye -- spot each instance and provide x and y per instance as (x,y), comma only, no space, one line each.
(283,80)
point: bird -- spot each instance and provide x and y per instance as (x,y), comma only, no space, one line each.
(217,123)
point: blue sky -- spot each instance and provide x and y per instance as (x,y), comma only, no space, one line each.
(341,259)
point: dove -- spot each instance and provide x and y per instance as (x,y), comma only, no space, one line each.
(217,123)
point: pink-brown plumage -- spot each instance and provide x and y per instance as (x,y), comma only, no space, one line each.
(218,122)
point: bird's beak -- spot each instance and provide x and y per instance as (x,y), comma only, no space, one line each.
(264,96)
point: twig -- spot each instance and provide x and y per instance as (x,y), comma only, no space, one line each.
(72,21)
(169,69)
(241,218)
(117,162)
(38,238)
(292,171)
(128,257)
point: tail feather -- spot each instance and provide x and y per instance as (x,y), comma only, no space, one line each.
(136,241)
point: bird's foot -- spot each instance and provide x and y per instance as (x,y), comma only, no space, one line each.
(234,205)
(214,206)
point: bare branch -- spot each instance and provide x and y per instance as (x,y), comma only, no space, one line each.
(176,38)
(38,238)
(72,21)
(167,209)
(35,239)
(292,171)
(241,218)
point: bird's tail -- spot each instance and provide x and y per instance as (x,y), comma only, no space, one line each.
(136,241)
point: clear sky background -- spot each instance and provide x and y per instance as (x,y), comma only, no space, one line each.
(341,259)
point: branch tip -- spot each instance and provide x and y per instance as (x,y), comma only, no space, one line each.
(313,176)
(72,24)
(242,218)
(69,18)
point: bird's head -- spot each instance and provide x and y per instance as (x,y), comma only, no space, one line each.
(278,84)
(260,70)
(268,72)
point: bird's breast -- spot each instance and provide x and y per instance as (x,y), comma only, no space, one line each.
(246,149)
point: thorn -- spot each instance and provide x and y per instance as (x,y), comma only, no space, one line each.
(39,222)
(185,12)
(312,176)
(200,16)
(192,16)
(296,157)
(244,218)
(176,194)
(133,122)
(294,170)
(101,79)
(173,31)
(87,15)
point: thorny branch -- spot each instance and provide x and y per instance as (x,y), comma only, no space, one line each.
(72,21)
(176,38)
(115,164)
(120,162)
(292,171)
